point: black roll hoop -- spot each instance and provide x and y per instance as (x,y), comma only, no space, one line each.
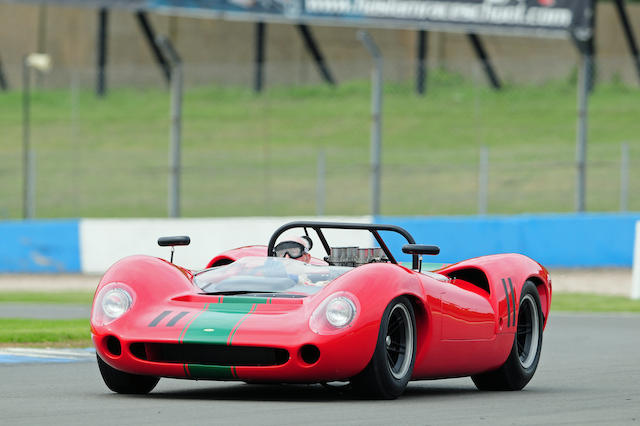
(374,229)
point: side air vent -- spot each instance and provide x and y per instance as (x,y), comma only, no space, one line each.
(473,276)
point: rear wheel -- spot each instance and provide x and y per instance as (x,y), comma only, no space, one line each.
(121,382)
(387,374)
(523,359)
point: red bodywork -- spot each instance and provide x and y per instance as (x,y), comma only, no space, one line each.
(465,322)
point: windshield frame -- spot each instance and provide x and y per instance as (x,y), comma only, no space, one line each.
(267,275)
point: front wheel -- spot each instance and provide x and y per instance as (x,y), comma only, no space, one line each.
(523,359)
(121,382)
(387,374)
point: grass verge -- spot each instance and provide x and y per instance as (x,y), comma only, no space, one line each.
(63,297)
(580,302)
(67,332)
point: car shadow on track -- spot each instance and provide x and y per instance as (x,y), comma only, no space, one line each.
(300,393)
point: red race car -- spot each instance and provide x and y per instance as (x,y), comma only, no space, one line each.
(275,314)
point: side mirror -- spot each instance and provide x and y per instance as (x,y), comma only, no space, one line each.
(181,240)
(420,249)
(174,241)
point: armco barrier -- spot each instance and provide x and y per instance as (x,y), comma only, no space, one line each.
(91,245)
(39,246)
(554,240)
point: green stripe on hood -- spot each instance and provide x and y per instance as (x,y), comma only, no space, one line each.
(217,323)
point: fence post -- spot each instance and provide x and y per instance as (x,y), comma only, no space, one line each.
(483,181)
(40,62)
(27,212)
(376,118)
(176,125)
(3,80)
(581,142)
(102,39)
(321,182)
(624,177)
(31,184)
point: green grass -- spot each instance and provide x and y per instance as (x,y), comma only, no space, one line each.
(249,155)
(579,302)
(63,297)
(74,332)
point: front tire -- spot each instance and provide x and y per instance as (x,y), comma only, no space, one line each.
(387,374)
(121,382)
(523,359)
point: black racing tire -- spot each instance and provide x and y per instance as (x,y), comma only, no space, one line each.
(121,382)
(387,374)
(523,359)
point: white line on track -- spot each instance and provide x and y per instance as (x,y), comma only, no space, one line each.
(29,355)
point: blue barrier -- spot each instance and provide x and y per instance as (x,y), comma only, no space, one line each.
(554,240)
(39,246)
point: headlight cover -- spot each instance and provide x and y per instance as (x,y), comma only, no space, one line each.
(112,301)
(336,313)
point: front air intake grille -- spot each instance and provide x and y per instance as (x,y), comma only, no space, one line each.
(205,354)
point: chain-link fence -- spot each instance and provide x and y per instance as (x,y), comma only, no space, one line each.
(303,147)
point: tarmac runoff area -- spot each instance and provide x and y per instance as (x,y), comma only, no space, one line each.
(588,374)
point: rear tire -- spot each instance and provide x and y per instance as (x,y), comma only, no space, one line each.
(121,382)
(387,374)
(523,359)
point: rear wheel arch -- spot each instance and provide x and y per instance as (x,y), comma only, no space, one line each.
(545,300)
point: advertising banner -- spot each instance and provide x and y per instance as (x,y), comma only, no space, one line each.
(551,18)
(554,18)
(528,15)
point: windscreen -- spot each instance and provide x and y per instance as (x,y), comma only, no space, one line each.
(268,275)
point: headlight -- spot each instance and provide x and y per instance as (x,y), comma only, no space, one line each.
(334,314)
(116,302)
(112,301)
(340,311)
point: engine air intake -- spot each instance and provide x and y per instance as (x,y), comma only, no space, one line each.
(206,354)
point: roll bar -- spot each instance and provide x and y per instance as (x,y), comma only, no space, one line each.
(319,226)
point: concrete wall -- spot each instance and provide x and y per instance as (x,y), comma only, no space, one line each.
(221,52)
(104,241)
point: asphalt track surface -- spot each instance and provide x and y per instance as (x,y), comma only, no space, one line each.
(589,374)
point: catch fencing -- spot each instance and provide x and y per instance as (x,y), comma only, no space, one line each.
(303,148)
